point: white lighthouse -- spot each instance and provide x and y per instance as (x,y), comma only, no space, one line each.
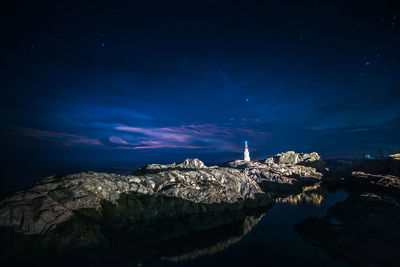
(246,152)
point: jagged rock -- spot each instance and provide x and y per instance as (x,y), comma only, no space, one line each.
(291,157)
(57,199)
(38,209)
(278,178)
(378,175)
(344,167)
(395,156)
(192,164)
(154,168)
(379,183)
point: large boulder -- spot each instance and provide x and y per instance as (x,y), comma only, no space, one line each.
(192,164)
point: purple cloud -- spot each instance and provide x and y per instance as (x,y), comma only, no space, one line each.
(117,140)
(119,136)
(185,136)
(156,133)
(66,139)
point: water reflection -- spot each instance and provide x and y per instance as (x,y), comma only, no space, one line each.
(194,240)
(220,245)
(183,239)
(308,197)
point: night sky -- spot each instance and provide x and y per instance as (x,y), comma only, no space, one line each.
(160,81)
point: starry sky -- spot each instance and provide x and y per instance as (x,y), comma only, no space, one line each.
(160,81)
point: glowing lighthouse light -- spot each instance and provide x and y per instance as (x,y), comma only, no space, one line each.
(246,152)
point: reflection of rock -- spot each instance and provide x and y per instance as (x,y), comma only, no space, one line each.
(118,236)
(363,230)
(310,194)
(314,198)
(57,199)
(248,224)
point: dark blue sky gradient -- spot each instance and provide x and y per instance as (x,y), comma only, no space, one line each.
(165,80)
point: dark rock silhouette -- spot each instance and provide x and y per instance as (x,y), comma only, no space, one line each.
(363,229)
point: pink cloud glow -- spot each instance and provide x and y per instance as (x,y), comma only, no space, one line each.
(117,140)
(185,136)
(66,139)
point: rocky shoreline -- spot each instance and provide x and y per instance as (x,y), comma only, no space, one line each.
(238,184)
(362,229)
(90,209)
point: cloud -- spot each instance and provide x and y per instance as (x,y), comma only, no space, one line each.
(200,136)
(202,129)
(210,137)
(117,140)
(156,133)
(66,139)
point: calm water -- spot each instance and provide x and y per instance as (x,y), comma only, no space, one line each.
(273,240)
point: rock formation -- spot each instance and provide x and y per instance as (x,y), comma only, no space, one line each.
(291,157)
(57,199)
(363,229)
(90,209)
(283,173)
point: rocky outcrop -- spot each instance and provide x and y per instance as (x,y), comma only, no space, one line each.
(291,157)
(57,199)
(191,164)
(360,231)
(363,229)
(344,167)
(90,208)
(395,156)
(186,164)
(278,178)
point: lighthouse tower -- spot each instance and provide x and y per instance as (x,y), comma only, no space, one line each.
(246,152)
